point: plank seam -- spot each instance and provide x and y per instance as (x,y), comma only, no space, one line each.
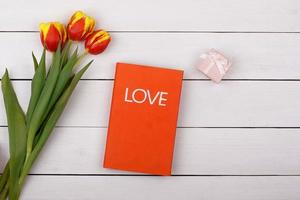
(192,79)
(170,31)
(192,127)
(174,175)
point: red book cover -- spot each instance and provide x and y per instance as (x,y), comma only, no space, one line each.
(143,119)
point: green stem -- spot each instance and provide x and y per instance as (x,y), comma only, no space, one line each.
(27,166)
(82,56)
(44,99)
(49,126)
(4,177)
(30,160)
(38,145)
(4,193)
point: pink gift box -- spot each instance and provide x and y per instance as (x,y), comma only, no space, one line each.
(214,65)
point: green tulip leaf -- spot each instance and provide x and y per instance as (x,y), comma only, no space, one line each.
(4,177)
(17,135)
(51,121)
(65,53)
(37,85)
(63,78)
(35,63)
(43,100)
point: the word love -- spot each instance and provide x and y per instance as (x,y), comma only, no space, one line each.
(140,95)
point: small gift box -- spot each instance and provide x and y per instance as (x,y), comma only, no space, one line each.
(214,65)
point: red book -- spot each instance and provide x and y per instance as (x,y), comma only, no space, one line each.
(143,119)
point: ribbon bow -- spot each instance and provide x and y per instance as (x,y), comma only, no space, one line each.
(216,59)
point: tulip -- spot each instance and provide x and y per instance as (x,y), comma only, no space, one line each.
(52,34)
(97,42)
(80,26)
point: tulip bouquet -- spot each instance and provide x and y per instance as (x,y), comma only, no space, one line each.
(50,92)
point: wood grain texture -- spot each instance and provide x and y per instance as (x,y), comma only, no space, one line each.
(203,104)
(254,56)
(197,152)
(262,39)
(163,188)
(157,15)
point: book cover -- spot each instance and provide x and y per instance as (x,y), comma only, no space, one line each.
(143,119)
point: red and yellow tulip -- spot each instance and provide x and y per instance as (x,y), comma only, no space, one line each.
(52,34)
(97,42)
(80,26)
(51,88)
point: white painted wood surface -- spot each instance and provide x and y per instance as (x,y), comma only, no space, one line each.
(203,104)
(165,188)
(159,15)
(254,56)
(236,140)
(198,151)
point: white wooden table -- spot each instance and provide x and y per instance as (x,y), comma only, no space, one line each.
(236,140)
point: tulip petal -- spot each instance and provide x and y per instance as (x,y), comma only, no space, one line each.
(52,34)
(80,26)
(77,30)
(97,42)
(62,31)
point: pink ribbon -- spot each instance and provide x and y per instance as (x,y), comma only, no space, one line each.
(216,59)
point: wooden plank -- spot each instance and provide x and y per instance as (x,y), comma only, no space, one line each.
(163,188)
(203,104)
(135,15)
(197,152)
(254,56)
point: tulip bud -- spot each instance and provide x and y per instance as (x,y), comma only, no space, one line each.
(80,26)
(97,42)
(52,34)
